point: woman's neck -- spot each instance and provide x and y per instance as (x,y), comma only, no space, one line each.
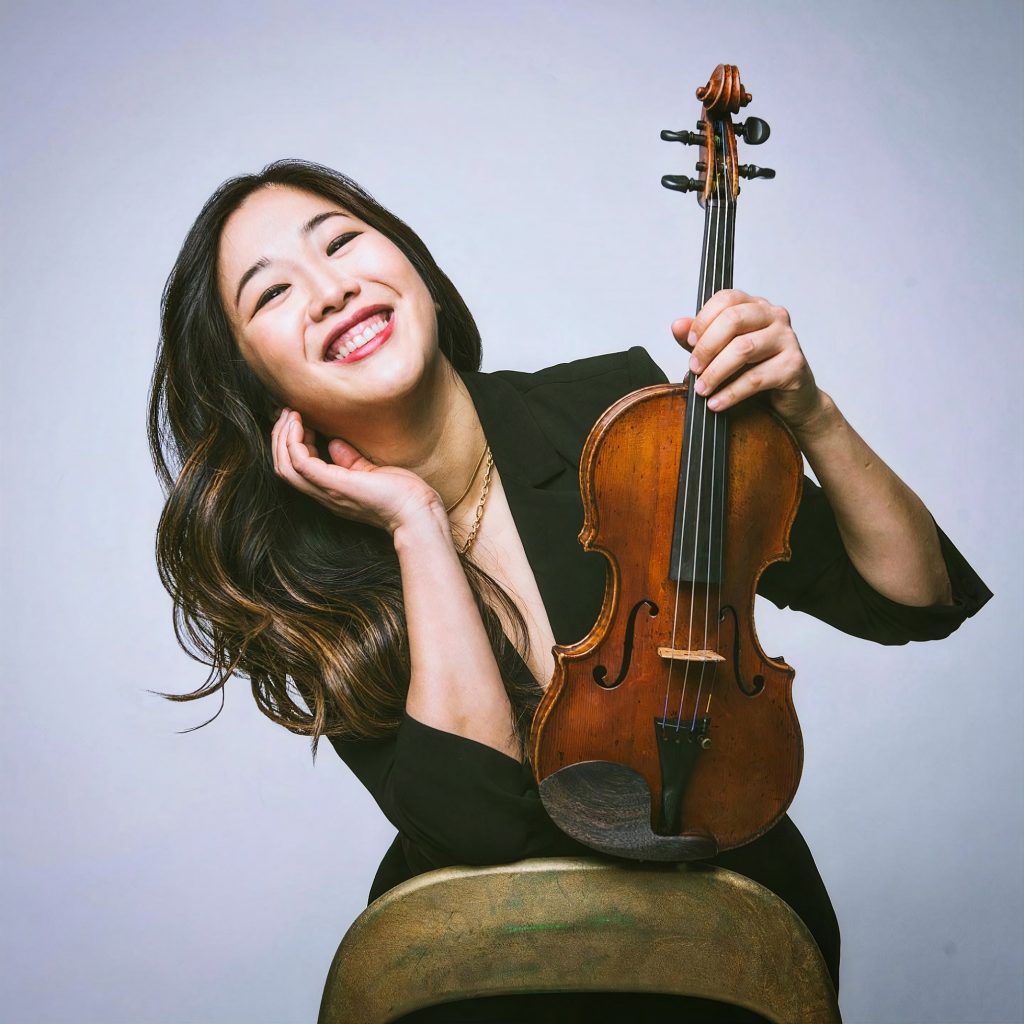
(437,434)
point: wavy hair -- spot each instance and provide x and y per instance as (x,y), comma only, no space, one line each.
(267,583)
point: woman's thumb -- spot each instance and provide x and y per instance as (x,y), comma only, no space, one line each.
(681,328)
(344,455)
(341,453)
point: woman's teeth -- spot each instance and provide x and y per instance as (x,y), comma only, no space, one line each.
(373,327)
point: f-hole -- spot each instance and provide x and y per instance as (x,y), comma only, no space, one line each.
(601,673)
(758,683)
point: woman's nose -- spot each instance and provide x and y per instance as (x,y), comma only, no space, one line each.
(331,291)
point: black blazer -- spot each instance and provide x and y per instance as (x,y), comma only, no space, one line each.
(457,801)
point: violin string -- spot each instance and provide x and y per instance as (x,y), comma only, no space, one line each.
(710,262)
(707,589)
(679,574)
(730,225)
(688,422)
(718,269)
(696,544)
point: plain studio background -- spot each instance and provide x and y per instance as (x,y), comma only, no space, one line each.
(157,877)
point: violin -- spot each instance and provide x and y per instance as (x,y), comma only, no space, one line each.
(667,733)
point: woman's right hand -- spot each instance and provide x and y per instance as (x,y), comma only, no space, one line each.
(353,486)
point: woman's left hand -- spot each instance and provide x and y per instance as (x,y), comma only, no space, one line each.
(741,345)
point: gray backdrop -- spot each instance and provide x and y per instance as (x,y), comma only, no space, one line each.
(157,877)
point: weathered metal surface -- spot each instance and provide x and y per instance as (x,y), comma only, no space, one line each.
(578,924)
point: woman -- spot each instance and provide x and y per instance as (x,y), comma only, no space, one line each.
(385,541)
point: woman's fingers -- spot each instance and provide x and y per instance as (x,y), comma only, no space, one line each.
(291,451)
(711,309)
(350,485)
(277,440)
(311,468)
(729,326)
(741,345)
(748,349)
(308,439)
(770,374)
(344,488)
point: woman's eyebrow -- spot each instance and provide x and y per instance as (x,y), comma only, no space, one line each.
(255,268)
(262,263)
(315,222)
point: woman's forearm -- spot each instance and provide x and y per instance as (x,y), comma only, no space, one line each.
(886,529)
(455,683)
(741,345)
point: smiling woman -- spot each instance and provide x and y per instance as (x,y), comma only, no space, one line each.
(267,583)
(385,540)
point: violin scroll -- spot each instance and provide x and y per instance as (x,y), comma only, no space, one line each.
(717,162)
(724,94)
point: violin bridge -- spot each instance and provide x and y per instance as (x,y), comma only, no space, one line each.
(675,655)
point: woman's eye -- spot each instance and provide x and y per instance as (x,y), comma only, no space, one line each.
(338,242)
(270,293)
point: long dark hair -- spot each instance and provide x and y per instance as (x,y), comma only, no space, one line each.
(267,583)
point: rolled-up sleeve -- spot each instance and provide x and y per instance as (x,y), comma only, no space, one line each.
(453,799)
(821,580)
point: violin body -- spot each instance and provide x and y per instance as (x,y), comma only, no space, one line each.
(745,762)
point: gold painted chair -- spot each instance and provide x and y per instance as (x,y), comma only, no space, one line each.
(578,925)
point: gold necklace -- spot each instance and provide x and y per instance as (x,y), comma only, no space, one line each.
(480,505)
(472,477)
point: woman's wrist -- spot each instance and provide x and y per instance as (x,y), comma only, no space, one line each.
(425,525)
(821,420)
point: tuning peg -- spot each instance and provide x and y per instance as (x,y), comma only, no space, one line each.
(754,131)
(680,183)
(686,138)
(751,171)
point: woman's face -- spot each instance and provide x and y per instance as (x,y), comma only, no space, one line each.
(329,313)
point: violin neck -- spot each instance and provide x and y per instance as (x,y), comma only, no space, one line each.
(716,260)
(697,533)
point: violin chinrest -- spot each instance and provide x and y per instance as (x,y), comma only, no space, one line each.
(607,806)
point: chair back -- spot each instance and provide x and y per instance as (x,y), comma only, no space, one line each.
(578,925)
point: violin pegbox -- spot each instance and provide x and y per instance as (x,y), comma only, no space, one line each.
(717,162)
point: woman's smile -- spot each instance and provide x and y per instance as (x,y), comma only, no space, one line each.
(311,283)
(369,330)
